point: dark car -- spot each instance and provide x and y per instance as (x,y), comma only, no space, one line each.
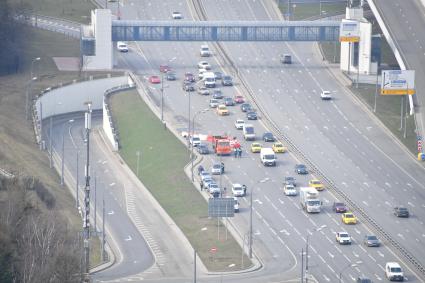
(218,75)
(171,76)
(227,81)
(301,169)
(245,107)
(189,77)
(187,86)
(268,137)
(371,241)
(363,280)
(203,149)
(401,211)
(228,101)
(251,115)
(289,181)
(200,169)
(217,94)
(339,207)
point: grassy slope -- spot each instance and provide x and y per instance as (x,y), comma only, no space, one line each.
(161,170)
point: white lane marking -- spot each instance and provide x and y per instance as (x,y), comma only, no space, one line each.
(111,212)
(331,255)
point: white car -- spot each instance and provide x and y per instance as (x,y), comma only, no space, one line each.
(239,124)
(195,140)
(177,15)
(393,271)
(326,95)
(236,205)
(289,190)
(204,65)
(122,46)
(343,238)
(214,103)
(213,188)
(217,169)
(238,190)
(201,73)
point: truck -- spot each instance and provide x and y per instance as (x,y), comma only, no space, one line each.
(309,199)
(267,156)
(221,145)
(248,132)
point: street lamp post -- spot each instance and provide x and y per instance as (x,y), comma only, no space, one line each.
(188,119)
(306,250)
(63,151)
(348,266)
(193,132)
(250,216)
(138,153)
(28,93)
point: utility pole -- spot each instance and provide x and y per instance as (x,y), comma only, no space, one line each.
(194,266)
(77,201)
(50,142)
(250,223)
(306,259)
(162,97)
(86,221)
(103,226)
(95,201)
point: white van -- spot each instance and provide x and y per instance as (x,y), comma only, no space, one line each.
(394,272)
(122,46)
(209,79)
(248,132)
(205,51)
(268,157)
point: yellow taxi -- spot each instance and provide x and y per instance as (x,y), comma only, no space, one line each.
(256,147)
(222,110)
(349,218)
(278,147)
(316,184)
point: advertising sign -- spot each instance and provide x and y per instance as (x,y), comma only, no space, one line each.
(398,82)
(349,31)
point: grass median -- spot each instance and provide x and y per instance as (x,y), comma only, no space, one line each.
(162,159)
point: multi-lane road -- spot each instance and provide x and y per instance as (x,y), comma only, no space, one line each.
(339,140)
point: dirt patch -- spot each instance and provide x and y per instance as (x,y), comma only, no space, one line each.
(67,63)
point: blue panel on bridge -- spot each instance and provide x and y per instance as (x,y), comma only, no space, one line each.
(225,31)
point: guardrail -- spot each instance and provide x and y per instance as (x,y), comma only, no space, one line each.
(6,174)
(268,121)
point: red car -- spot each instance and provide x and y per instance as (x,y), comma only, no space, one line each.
(164,68)
(238,99)
(189,77)
(154,80)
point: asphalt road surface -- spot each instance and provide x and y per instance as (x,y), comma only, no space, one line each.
(339,137)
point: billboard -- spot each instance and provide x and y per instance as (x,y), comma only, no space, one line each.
(221,207)
(349,31)
(398,82)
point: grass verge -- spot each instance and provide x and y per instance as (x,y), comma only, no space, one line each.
(163,158)
(304,11)
(388,110)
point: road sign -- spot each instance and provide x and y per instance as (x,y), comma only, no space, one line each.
(213,250)
(398,82)
(221,207)
(349,31)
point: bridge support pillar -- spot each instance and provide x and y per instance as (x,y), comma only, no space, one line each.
(100,27)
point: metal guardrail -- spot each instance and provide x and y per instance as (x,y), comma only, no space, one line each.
(297,152)
(6,174)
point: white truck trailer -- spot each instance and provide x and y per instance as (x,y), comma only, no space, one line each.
(309,198)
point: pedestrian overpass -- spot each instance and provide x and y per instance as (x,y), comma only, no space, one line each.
(97,38)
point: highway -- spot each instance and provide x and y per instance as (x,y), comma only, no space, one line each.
(405,21)
(352,150)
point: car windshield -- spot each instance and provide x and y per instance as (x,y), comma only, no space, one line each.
(269,156)
(402,209)
(196,139)
(339,204)
(278,145)
(300,166)
(314,202)
(343,235)
(249,130)
(395,269)
(227,78)
(315,182)
(372,238)
(223,143)
(349,216)
(216,166)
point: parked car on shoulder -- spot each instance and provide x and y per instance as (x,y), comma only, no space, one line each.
(217,169)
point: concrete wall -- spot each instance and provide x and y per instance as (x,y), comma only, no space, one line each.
(71,98)
(101,24)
